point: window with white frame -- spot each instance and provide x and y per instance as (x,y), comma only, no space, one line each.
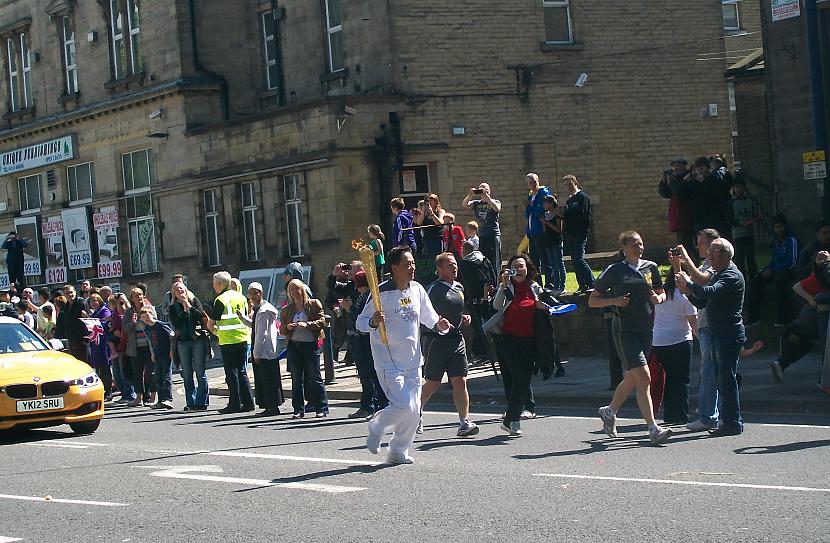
(272,49)
(211,227)
(26,71)
(13,74)
(141,231)
(28,189)
(293,214)
(70,67)
(139,170)
(125,32)
(81,181)
(249,208)
(334,28)
(558,25)
(731,14)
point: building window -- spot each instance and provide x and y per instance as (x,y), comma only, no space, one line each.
(272,50)
(212,227)
(126,38)
(731,14)
(81,180)
(14,75)
(139,170)
(69,65)
(335,35)
(558,27)
(249,219)
(26,69)
(141,230)
(28,189)
(293,214)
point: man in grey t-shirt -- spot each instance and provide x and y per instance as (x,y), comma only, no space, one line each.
(486,210)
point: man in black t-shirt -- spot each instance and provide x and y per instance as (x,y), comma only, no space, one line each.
(577,215)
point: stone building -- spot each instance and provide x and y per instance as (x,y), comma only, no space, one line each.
(144,137)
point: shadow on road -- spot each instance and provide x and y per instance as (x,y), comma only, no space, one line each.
(320,475)
(786,447)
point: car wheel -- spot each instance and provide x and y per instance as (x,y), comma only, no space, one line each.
(85,427)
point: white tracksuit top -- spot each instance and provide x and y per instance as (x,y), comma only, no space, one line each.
(404,311)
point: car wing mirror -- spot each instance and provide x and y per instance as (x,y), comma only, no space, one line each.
(57,344)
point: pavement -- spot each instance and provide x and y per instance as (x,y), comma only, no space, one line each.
(586,384)
(149,475)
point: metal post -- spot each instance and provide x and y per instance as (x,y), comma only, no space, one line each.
(816,86)
(328,355)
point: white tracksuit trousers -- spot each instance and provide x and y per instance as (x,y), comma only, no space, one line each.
(402,415)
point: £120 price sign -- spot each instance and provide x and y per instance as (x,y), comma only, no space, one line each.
(109,269)
(55,276)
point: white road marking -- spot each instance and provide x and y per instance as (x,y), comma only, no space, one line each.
(4,539)
(296,458)
(183,472)
(57,445)
(687,483)
(808,426)
(60,500)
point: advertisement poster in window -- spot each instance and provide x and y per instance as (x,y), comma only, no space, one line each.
(76,234)
(52,233)
(4,271)
(26,228)
(106,229)
(785,9)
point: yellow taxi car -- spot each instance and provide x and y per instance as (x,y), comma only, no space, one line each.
(41,386)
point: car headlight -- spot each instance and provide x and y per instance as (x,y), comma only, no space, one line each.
(87,381)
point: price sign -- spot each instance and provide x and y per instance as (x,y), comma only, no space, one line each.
(109,269)
(55,276)
(80,260)
(4,281)
(31,267)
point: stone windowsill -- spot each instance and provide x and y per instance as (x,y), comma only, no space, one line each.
(547,47)
(19,114)
(74,98)
(334,76)
(124,83)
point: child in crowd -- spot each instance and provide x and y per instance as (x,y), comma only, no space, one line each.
(48,330)
(376,238)
(472,234)
(453,236)
(552,224)
(743,215)
(24,315)
(160,335)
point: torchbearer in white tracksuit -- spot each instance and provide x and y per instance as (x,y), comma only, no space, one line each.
(405,306)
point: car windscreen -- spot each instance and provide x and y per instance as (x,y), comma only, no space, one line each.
(16,338)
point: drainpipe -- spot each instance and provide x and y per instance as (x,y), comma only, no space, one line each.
(201,67)
(817,91)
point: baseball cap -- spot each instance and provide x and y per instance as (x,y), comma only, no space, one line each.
(256,285)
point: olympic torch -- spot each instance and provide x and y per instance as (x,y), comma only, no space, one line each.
(367,257)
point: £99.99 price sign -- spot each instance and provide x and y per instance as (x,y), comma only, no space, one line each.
(109,269)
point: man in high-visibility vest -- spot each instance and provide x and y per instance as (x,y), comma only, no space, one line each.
(234,337)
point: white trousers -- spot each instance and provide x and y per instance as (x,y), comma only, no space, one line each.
(402,415)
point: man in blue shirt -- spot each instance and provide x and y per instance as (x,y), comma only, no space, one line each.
(780,272)
(402,233)
(534,227)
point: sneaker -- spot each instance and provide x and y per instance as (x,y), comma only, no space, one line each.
(166,404)
(515,428)
(560,372)
(359,414)
(467,428)
(527,415)
(420,429)
(134,403)
(724,431)
(229,410)
(373,442)
(399,458)
(698,426)
(777,371)
(659,435)
(609,421)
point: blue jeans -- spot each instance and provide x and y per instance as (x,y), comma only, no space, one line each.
(539,255)
(707,392)
(726,351)
(192,355)
(163,378)
(372,397)
(576,248)
(557,265)
(121,380)
(304,366)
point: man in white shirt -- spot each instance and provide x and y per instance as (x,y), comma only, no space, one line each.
(405,306)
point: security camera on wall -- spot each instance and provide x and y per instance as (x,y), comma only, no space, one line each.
(581,80)
(155,114)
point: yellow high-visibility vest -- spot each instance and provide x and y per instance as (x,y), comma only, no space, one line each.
(229,328)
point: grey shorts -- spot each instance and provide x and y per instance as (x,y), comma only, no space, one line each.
(632,347)
(444,354)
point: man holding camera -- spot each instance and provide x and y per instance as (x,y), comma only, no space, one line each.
(676,188)
(486,210)
(14,257)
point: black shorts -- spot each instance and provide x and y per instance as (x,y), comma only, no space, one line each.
(444,354)
(632,347)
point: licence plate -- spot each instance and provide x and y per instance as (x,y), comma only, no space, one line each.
(45,404)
